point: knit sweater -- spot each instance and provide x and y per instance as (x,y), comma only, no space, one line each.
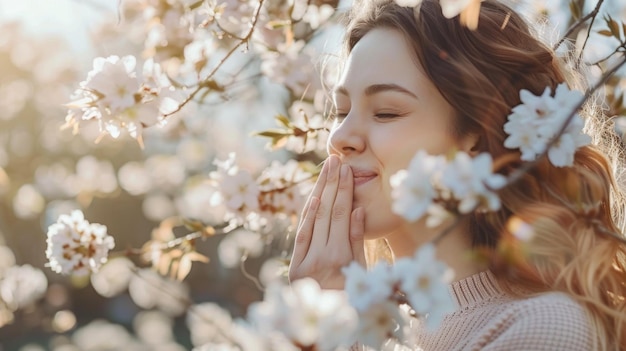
(488,319)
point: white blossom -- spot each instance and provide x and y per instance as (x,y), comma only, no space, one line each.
(425,281)
(118,99)
(291,66)
(102,335)
(537,120)
(28,202)
(273,270)
(7,259)
(429,181)
(378,323)
(471,181)
(114,81)
(413,191)
(239,191)
(309,117)
(316,15)
(134,178)
(205,321)
(408,3)
(238,244)
(113,277)
(437,215)
(93,176)
(148,289)
(22,285)
(306,315)
(76,246)
(452,8)
(283,189)
(366,288)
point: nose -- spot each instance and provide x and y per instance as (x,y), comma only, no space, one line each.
(347,136)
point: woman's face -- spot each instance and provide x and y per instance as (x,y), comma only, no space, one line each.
(387,109)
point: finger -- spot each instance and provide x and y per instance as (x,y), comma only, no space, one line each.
(357,235)
(339,233)
(316,192)
(304,233)
(322,220)
(307,219)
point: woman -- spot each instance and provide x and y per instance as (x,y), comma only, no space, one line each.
(415,80)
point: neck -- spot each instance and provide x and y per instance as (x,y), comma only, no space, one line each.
(454,248)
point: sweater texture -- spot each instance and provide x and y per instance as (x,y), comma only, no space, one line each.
(486,318)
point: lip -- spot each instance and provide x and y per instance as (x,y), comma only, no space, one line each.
(362,176)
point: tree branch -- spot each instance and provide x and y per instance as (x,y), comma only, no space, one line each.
(209,77)
(579,23)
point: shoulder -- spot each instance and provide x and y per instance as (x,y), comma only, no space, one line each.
(550,321)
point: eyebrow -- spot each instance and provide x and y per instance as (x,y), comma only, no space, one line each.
(377,88)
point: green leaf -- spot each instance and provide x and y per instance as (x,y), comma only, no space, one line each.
(613,26)
(274,133)
(193,225)
(278,24)
(284,120)
(605,32)
(196,4)
(574,9)
(213,85)
(277,143)
(184,268)
(618,102)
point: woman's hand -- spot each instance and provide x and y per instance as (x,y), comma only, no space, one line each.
(330,232)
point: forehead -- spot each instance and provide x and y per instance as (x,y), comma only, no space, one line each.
(382,56)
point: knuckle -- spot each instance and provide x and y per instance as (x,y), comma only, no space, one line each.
(303,237)
(345,184)
(339,212)
(321,212)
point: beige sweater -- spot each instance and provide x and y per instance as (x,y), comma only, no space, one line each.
(488,319)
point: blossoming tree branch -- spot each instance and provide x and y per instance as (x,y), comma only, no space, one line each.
(207,53)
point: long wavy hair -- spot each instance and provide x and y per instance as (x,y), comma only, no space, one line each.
(577,213)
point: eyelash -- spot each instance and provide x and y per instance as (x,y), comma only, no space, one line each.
(386,115)
(341,116)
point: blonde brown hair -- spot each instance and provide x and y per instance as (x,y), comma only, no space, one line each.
(577,212)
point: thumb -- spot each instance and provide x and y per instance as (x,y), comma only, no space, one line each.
(357,228)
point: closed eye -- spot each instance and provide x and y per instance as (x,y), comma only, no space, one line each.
(386,115)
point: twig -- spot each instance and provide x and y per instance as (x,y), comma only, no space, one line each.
(244,271)
(517,175)
(288,186)
(617,49)
(593,19)
(208,78)
(578,23)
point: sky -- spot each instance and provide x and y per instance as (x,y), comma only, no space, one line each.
(72,19)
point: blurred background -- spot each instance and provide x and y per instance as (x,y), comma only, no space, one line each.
(47,48)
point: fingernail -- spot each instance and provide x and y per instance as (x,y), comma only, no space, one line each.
(332,167)
(324,170)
